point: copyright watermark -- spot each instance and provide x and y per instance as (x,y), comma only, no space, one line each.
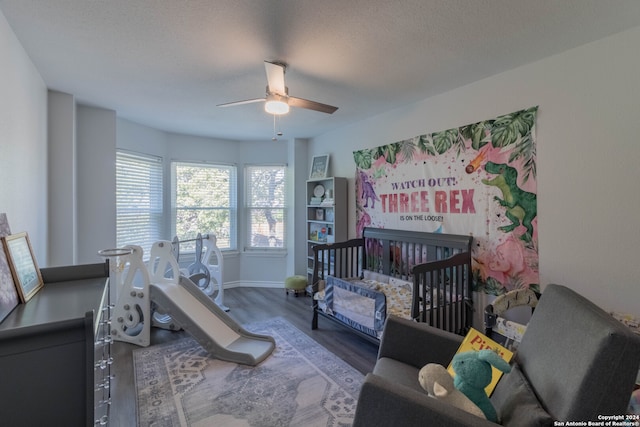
(627,420)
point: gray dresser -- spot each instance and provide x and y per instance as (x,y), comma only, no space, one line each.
(55,352)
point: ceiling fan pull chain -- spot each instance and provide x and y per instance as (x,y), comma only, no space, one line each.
(274,129)
(279,133)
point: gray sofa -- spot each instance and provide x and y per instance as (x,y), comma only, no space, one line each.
(575,363)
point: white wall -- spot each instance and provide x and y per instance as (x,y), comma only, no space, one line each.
(141,139)
(23,143)
(96,182)
(63,237)
(297,228)
(588,157)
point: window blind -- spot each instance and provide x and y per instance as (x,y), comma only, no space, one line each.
(138,200)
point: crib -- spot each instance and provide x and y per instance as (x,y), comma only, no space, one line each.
(422,276)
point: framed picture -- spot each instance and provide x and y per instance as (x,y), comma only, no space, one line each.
(319,167)
(320,214)
(329,215)
(9,298)
(25,271)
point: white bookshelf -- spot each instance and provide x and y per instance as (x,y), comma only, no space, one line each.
(326,214)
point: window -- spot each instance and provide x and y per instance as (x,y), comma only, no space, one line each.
(265,204)
(204,201)
(139,213)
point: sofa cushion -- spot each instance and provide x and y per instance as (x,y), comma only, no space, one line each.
(516,403)
(399,373)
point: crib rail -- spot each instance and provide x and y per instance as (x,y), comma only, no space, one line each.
(437,263)
(342,259)
(444,289)
(396,252)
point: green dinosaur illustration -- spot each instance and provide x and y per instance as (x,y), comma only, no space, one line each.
(521,206)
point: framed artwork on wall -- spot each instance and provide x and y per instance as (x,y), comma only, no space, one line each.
(25,271)
(319,167)
(9,298)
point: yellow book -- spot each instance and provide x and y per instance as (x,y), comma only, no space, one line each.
(476,340)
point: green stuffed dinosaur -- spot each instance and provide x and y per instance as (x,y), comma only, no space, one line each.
(474,373)
(521,206)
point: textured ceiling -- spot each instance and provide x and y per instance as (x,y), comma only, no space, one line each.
(168,63)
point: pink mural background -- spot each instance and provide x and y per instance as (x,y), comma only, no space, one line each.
(478,179)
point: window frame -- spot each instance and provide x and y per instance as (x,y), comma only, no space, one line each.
(248,208)
(232,200)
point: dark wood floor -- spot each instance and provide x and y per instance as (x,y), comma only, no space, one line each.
(247,305)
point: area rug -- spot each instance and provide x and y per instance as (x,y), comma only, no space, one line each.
(299,384)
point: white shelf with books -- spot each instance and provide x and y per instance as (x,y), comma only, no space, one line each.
(326,214)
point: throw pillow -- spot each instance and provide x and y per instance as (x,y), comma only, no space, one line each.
(516,403)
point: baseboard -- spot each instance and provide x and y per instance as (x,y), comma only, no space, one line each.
(253,284)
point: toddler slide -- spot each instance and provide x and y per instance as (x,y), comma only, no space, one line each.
(216,332)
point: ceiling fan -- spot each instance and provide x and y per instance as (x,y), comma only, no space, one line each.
(277,100)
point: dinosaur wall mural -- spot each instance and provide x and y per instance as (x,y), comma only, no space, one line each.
(478,179)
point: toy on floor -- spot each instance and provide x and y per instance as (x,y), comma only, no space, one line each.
(180,300)
(163,268)
(129,283)
(207,269)
(437,382)
(212,258)
(186,303)
(296,284)
(473,374)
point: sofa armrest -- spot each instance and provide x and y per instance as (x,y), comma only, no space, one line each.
(417,344)
(384,403)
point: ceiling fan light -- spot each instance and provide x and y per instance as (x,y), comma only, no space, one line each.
(276,107)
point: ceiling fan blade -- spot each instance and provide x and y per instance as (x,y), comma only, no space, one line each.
(246,101)
(275,78)
(311,105)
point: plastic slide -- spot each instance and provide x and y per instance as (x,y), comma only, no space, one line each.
(216,332)
(182,304)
